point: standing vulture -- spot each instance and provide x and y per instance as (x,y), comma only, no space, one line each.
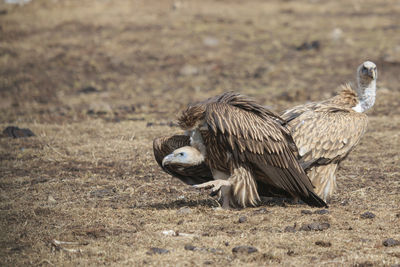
(243,144)
(325,132)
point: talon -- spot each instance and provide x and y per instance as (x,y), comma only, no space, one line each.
(214,193)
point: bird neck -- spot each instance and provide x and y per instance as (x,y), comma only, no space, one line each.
(366,92)
(196,141)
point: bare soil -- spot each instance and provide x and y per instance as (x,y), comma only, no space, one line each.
(97,80)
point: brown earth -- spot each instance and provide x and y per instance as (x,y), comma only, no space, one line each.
(96,81)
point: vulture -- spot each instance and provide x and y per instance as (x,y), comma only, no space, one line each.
(245,149)
(325,132)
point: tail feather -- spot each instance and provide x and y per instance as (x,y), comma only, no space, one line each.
(314,200)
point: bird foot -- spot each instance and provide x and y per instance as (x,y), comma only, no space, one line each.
(215,185)
(221,187)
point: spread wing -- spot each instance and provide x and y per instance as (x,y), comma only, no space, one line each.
(190,175)
(326,133)
(258,141)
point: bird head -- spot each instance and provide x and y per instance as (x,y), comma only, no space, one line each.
(184,156)
(367,72)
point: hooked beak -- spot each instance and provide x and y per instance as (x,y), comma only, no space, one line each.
(167,159)
(372,73)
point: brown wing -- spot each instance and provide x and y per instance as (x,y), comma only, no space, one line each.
(259,142)
(190,175)
(326,134)
(293,113)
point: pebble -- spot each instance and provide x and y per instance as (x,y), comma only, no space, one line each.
(244,249)
(157,251)
(309,46)
(242,219)
(102,192)
(15,132)
(88,90)
(190,247)
(51,199)
(184,210)
(189,70)
(202,249)
(321,212)
(390,242)
(315,226)
(306,212)
(323,244)
(367,215)
(261,211)
(290,229)
(210,41)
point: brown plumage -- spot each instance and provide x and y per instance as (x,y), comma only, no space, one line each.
(325,132)
(244,143)
(192,174)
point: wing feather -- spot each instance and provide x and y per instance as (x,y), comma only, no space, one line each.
(259,141)
(329,133)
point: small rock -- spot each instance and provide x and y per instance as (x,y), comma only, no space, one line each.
(102,192)
(321,212)
(184,210)
(208,262)
(170,233)
(315,227)
(210,41)
(51,199)
(259,72)
(211,250)
(19,2)
(344,202)
(290,252)
(290,229)
(367,215)
(242,219)
(190,247)
(88,90)
(188,70)
(323,244)
(336,34)
(390,242)
(99,108)
(364,264)
(15,132)
(244,249)
(261,211)
(306,212)
(314,45)
(157,251)
(39,180)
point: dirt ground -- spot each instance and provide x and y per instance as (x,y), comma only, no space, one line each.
(97,80)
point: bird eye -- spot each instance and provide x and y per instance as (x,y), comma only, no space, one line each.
(181,154)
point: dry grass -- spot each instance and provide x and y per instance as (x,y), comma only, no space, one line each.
(89,175)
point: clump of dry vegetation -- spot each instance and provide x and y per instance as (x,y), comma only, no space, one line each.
(96,81)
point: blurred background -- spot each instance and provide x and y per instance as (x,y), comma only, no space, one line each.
(69,60)
(97,80)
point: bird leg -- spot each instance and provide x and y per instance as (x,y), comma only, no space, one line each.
(222,186)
